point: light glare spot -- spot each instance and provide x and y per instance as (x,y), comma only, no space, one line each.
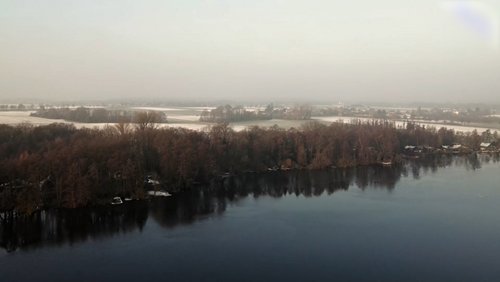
(477,17)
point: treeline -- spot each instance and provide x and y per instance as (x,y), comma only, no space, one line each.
(93,115)
(469,115)
(443,115)
(18,107)
(228,113)
(60,166)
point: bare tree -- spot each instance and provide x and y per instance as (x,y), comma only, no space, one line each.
(123,128)
(147,120)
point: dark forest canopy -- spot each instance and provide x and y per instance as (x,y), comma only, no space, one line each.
(60,166)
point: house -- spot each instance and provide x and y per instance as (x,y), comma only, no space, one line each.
(488,147)
(411,149)
(420,149)
(456,148)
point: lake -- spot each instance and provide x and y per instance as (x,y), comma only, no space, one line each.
(428,220)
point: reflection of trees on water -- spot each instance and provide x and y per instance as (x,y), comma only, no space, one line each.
(309,182)
(429,164)
(55,227)
(186,208)
(432,163)
(474,161)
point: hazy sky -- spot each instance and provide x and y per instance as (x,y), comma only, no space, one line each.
(354,50)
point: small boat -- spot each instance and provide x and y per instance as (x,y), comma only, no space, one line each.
(389,163)
(160,193)
(116,201)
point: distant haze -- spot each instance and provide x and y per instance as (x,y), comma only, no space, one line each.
(356,50)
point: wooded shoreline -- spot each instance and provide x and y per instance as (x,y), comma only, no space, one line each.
(60,166)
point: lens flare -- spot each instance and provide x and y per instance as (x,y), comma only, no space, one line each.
(477,17)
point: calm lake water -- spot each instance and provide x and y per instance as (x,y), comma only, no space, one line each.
(425,221)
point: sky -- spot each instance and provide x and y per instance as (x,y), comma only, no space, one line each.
(269,50)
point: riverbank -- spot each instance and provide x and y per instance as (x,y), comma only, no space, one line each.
(60,166)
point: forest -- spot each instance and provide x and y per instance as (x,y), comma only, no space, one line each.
(58,165)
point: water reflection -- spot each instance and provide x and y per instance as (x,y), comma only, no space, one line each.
(56,227)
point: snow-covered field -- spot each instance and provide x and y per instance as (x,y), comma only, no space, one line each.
(191,122)
(183,117)
(159,109)
(191,126)
(200,109)
(402,123)
(18,117)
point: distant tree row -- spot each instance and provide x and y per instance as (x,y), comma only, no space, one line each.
(60,166)
(93,115)
(18,107)
(228,113)
(468,115)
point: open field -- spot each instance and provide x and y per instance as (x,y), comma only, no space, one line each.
(188,117)
(461,128)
